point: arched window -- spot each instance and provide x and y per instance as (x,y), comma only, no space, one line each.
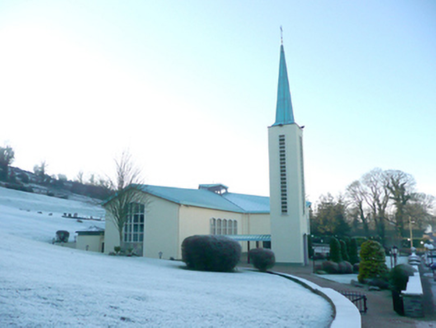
(218,227)
(213,226)
(235,227)
(230,227)
(224,227)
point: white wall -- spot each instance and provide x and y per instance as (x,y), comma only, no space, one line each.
(94,242)
(287,229)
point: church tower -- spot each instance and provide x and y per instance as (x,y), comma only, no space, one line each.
(289,217)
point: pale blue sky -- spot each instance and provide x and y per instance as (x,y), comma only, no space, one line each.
(190,88)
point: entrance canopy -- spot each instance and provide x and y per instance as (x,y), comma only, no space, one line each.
(250,237)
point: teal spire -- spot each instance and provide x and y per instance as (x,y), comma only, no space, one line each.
(284,112)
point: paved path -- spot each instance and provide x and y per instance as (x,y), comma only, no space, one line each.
(380,309)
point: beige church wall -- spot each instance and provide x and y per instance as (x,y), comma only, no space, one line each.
(254,224)
(258,224)
(196,221)
(111,236)
(161,229)
(94,242)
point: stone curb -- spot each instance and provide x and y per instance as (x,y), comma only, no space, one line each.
(345,313)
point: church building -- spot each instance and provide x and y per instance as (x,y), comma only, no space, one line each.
(163,217)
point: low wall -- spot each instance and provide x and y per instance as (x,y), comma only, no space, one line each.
(413,295)
(346,314)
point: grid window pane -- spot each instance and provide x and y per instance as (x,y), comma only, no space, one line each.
(134,225)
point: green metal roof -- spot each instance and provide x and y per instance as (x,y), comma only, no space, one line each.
(284,112)
(227,201)
(90,233)
(231,202)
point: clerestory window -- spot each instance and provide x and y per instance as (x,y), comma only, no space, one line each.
(223,227)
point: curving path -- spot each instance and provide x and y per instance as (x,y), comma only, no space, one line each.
(380,310)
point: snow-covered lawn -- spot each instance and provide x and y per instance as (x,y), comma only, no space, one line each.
(44,285)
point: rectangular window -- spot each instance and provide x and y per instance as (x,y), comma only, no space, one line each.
(134,225)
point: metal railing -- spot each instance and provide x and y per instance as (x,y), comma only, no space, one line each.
(357,298)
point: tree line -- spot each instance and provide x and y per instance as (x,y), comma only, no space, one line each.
(14,178)
(379,200)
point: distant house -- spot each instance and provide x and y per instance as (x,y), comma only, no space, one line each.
(91,239)
(157,225)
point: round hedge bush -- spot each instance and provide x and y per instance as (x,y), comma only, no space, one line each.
(211,253)
(345,267)
(262,258)
(330,267)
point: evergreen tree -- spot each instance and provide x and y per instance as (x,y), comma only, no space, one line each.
(353,251)
(335,250)
(373,261)
(7,155)
(330,217)
(344,251)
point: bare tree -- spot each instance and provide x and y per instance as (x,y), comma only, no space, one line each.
(125,188)
(402,190)
(377,198)
(419,210)
(357,194)
(41,170)
(79,177)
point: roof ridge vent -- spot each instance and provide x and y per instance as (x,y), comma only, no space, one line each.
(217,188)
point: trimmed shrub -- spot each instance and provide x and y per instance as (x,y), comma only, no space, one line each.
(335,250)
(372,263)
(319,256)
(262,258)
(345,267)
(356,267)
(330,267)
(344,251)
(399,276)
(62,236)
(211,253)
(381,282)
(353,251)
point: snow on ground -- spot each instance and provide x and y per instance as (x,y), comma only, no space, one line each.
(34,219)
(44,285)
